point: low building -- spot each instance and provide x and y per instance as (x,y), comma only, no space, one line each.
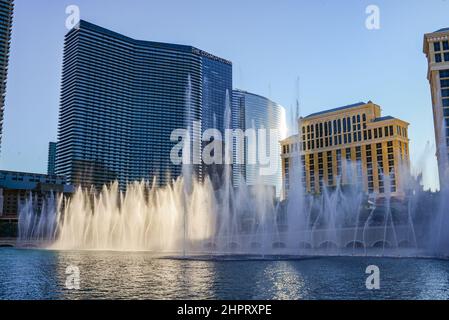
(351,145)
(16,187)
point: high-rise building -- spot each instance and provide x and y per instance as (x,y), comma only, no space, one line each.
(6,15)
(121,99)
(265,117)
(51,158)
(436,48)
(350,145)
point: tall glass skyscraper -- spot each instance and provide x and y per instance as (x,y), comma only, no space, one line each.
(51,158)
(122,98)
(6,14)
(252,111)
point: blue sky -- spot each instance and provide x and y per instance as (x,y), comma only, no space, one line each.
(271,43)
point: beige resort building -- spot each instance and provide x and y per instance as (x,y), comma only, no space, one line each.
(353,144)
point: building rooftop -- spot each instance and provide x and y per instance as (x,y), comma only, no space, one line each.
(443,30)
(170,46)
(384,118)
(13,180)
(358,104)
(253,94)
(29,174)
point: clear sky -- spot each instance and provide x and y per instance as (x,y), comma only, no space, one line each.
(271,43)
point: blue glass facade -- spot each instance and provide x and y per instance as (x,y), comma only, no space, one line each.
(217,92)
(6,15)
(120,101)
(51,170)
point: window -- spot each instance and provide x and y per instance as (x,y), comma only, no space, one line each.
(446,112)
(348,153)
(444,83)
(364,117)
(446,56)
(444,73)
(438,57)
(446,45)
(436,46)
(445,93)
(445,102)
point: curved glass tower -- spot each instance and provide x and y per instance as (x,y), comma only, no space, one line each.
(252,111)
(121,99)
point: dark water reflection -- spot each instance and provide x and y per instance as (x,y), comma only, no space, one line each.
(29,274)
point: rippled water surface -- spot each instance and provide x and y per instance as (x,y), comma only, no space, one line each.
(35,274)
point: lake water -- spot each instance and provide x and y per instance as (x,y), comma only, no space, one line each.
(38,274)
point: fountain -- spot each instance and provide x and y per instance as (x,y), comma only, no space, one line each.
(190,218)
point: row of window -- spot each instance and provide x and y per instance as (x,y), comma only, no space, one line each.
(328,128)
(441,51)
(444,82)
(382,174)
(376,133)
(438,45)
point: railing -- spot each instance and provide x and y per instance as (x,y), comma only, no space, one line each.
(371,237)
(8,242)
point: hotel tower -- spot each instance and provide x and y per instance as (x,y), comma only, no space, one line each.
(436,48)
(121,99)
(351,145)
